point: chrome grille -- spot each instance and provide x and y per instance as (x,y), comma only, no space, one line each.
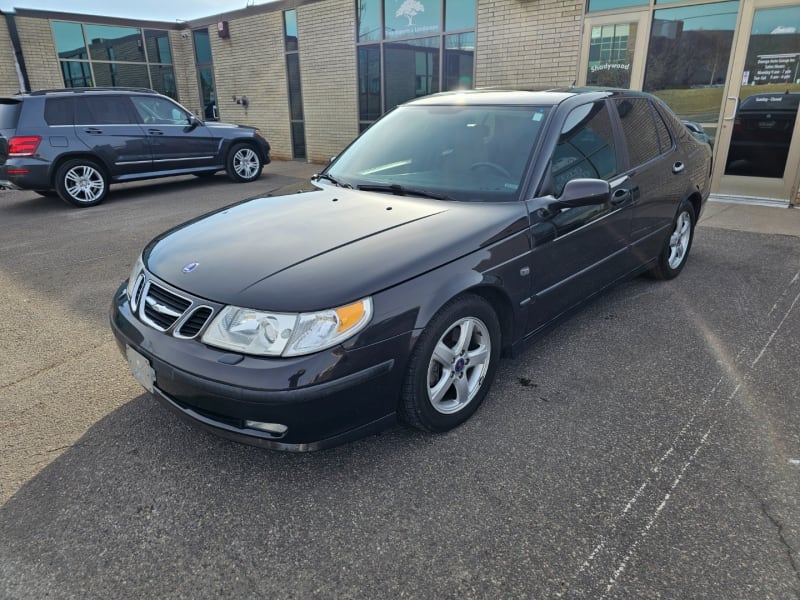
(194,322)
(162,308)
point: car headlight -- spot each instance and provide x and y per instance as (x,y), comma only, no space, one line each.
(286,334)
(138,267)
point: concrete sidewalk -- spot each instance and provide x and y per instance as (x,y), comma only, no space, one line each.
(718,212)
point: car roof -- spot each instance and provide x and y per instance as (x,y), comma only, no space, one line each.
(87,90)
(487,97)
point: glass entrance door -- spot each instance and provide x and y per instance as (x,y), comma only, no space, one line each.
(612,54)
(757,146)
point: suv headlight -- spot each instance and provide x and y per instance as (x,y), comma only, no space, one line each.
(286,334)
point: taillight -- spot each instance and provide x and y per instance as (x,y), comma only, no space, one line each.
(24,145)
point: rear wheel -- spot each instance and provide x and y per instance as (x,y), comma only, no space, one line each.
(452,366)
(81,182)
(676,248)
(243,164)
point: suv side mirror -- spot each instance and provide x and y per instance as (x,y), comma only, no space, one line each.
(194,121)
(585,192)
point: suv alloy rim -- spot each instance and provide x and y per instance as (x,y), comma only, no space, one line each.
(245,163)
(84,183)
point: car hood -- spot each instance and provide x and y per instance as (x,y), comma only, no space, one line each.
(322,249)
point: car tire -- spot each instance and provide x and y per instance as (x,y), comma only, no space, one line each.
(676,248)
(81,182)
(243,164)
(452,365)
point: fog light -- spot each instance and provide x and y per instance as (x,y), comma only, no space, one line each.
(275,428)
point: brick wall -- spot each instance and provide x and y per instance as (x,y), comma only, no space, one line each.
(185,71)
(252,63)
(39,49)
(9,82)
(328,71)
(524,44)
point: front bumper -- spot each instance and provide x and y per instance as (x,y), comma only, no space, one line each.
(323,399)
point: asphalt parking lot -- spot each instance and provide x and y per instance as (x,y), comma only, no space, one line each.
(647,448)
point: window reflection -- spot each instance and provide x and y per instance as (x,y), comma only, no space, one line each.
(412,70)
(611,55)
(769,96)
(459,61)
(69,40)
(459,15)
(369,20)
(687,62)
(115,43)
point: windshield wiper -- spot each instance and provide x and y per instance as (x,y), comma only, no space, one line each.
(399,190)
(333,180)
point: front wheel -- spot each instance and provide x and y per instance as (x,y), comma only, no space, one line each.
(452,366)
(81,182)
(244,164)
(676,248)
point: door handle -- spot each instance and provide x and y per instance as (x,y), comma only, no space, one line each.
(678,167)
(155,132)
(93,131)
(732,116)
(620,197)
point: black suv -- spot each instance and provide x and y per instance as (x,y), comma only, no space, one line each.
(75,142)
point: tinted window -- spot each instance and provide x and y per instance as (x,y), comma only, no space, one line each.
(108,42)
(154,110)
(202,46)
(664,137)
(58,111)
(459,14)
(639,129)
(759,102)
(585,148)
(9,113)
(369,20)
(103,110)
(158,49)
(69,40)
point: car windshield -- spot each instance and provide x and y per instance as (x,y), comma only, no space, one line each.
(470,153)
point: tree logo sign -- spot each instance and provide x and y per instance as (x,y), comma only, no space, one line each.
(410,9)
(409,18)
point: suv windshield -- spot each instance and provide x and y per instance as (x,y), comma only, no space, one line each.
(474,153)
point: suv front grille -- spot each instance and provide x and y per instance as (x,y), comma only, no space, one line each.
(166,309)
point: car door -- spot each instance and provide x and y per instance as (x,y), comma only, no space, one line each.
(108,127)
(177,143)
(657,171)
(579,251)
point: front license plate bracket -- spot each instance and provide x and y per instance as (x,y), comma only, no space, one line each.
(141,369)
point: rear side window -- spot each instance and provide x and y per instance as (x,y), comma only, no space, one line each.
(664,138)
(639,129)
(103,110)
(9,113)
(58,111)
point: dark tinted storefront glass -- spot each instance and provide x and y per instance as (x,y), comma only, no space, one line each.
(121,75)
(164,81)
(412,18)
(459,61)
(290,30)
(107,42)
(76,74)
(411,70)
(459,14)
(298,139)
(608,4)
(369,20)
(158,49)
(369,83)
(295,93)
(69,40)
(202,46)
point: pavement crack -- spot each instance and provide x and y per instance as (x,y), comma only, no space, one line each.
(776,523)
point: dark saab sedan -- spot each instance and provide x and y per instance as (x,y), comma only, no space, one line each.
(451,232)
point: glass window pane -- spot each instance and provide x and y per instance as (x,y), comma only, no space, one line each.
(611,55)
(298,139)
(369,83)
(369,20)
(688,57)
(107,42)
(208,94)
(103,110)
(290,29)
(158,48)
(159,111)
(609,4)
(636,117)
(58,111)
(410,17)
(163,79)
(120,75)
(459,14)
(69,40)
(202,46)
(295,91)
(76,74)
(411,70)
(459,61)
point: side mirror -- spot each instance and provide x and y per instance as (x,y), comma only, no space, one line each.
(194,121)
(585,192)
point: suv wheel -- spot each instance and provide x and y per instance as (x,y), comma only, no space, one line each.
(244,164)
(81,182)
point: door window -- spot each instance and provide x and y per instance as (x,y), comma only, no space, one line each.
(154,110)
(639,129)
(103,110)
